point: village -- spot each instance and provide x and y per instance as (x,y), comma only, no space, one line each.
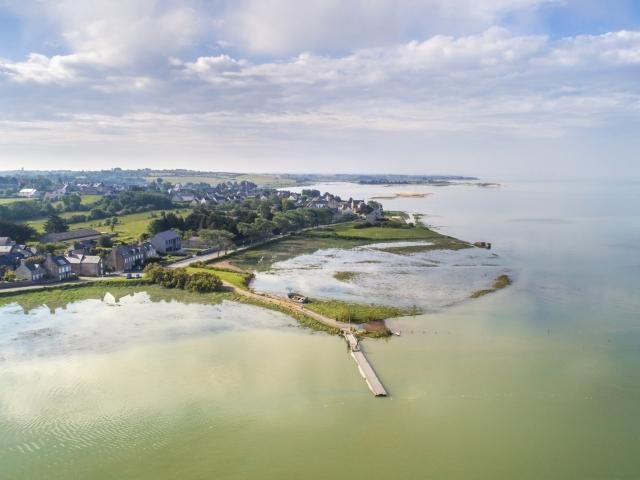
(210,218)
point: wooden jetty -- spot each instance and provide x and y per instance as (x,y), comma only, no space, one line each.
(365,368)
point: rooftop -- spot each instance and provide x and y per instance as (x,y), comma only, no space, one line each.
(80,234)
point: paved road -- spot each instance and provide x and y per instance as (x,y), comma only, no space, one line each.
(77,281)
(214,255)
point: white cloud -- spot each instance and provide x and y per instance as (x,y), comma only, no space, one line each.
(120,32)
(153,73)
(291,26)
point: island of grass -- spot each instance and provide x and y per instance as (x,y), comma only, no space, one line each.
(342,236)
(503,281)
(346,276)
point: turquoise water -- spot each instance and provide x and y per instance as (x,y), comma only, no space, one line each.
(540,380)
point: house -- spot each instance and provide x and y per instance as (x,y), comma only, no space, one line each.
(80,234)
(148,250)
(6,241)
(182,198)
(7,249)
(85,265)
(29,193)
(58,267)
(57,194)
(33,272)
(125,258)
(376,214)
(84,246)
(167,241)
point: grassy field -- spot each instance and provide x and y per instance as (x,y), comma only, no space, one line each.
(84,200)
(214,179)
(129,227)
(341,236)
(356,312)
(6,201)
(87,199)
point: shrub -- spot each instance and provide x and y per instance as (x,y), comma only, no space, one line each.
(179,278)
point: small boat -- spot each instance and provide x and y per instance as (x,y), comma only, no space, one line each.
(396,333)
(297,297)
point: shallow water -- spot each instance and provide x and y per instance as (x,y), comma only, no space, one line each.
(429,280)
(540,380)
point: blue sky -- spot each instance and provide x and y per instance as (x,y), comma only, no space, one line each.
(499,87)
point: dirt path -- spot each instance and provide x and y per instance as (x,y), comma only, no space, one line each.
(289,305)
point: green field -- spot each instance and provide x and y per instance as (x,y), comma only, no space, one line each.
(88,199)
(129,227)
(214,179)
(6,201)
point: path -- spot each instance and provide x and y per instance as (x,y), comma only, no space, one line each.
(291,306)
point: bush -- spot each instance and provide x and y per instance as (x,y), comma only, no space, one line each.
(179,278)
(77,219)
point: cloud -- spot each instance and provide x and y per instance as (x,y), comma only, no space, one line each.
(120,32)
(289,26)
(242,79)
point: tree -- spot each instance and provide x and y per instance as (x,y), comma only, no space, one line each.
(105,241)
(55,224)
(72,201)
(265,211)
(19,233)
(10,276)
(97,214)
(35,259)
(221,239)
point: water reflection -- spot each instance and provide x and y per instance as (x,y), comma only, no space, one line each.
(117,323)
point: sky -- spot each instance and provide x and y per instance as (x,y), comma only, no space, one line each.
(538,88)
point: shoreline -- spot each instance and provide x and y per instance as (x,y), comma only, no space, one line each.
(325,315)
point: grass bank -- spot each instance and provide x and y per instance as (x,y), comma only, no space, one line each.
(357,312)
(63,295)
(501,282)
(300,317)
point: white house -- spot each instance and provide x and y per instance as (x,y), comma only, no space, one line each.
(29,193)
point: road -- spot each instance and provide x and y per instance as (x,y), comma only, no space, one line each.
(77,281)
(215,255)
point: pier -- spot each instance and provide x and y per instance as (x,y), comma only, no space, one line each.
(365,368)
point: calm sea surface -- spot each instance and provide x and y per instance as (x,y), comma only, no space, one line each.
(539,381)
